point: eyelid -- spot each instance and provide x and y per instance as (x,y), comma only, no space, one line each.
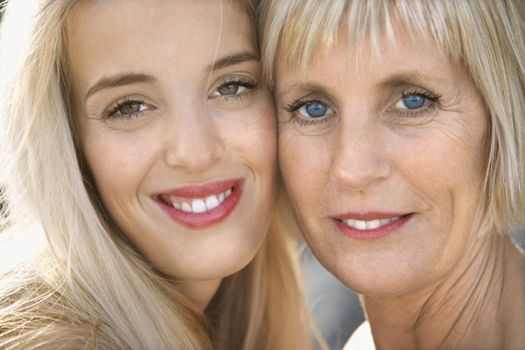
(310,98)
(432,102)
(422,92)
(112,110)
(248,82)
(311,125)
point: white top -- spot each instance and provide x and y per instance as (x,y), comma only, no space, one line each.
(361,339)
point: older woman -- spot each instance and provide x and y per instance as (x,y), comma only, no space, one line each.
(139,139)
(402,145)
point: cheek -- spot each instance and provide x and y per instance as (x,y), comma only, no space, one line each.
(117,161)
(252,137)
(292,163)
(304,163)
(444,166)
(263,146)
(456,165)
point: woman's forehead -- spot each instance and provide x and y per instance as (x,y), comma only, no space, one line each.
(305,30)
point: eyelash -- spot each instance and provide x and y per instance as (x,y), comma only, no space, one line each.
(113,110)
(431,102)
(293,107)
(249,84)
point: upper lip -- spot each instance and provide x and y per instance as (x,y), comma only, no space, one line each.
(368,216)
(202,190)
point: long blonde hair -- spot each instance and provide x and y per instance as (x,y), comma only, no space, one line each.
(86,287)
(486,37)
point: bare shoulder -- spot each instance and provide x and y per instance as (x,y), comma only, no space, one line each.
(361,339)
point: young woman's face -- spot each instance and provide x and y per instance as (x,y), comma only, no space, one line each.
(177,129)
(384,160)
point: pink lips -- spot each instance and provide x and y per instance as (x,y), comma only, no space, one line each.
(368,226)
(191,192)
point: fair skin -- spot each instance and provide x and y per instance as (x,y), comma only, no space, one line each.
(389,201)
(177,131)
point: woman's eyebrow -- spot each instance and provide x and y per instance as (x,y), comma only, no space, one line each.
(410,78)
(120,79)
(306,88)
(126,78)
(231,60)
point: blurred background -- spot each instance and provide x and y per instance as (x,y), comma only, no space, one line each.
(335,309)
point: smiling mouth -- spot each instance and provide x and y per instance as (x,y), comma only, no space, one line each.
(363,225)
(371,226)
(197,205)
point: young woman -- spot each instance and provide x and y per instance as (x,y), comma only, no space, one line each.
(139,141)
(402,145)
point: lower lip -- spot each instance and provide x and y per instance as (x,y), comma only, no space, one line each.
(210,217)
(377,233)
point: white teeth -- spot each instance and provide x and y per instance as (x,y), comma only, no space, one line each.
(360,225)
(386,221)
(372,225)
(368,225)
(186,207)
(212,202)
(199,205)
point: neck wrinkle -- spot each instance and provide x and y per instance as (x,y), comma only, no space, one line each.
(457,311)
(468,301)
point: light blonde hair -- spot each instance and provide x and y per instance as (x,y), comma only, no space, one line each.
(87,288)
(485,37)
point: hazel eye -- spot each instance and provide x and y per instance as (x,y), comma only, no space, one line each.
(131,107)
(127,108)
(230,89)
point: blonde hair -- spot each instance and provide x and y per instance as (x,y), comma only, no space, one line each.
(86,287)
(486,37)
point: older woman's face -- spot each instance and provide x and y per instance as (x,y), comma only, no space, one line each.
(177,130)
(384,160)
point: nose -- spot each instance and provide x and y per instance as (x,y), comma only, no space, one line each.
(359,155)
(194,142)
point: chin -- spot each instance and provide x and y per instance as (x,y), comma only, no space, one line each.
(376,278)
(220,263)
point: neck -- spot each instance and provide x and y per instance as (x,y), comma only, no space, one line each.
(478,304)
(199,292)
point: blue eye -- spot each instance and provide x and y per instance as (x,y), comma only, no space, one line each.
(310,112)
(412,101)
(315,109)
